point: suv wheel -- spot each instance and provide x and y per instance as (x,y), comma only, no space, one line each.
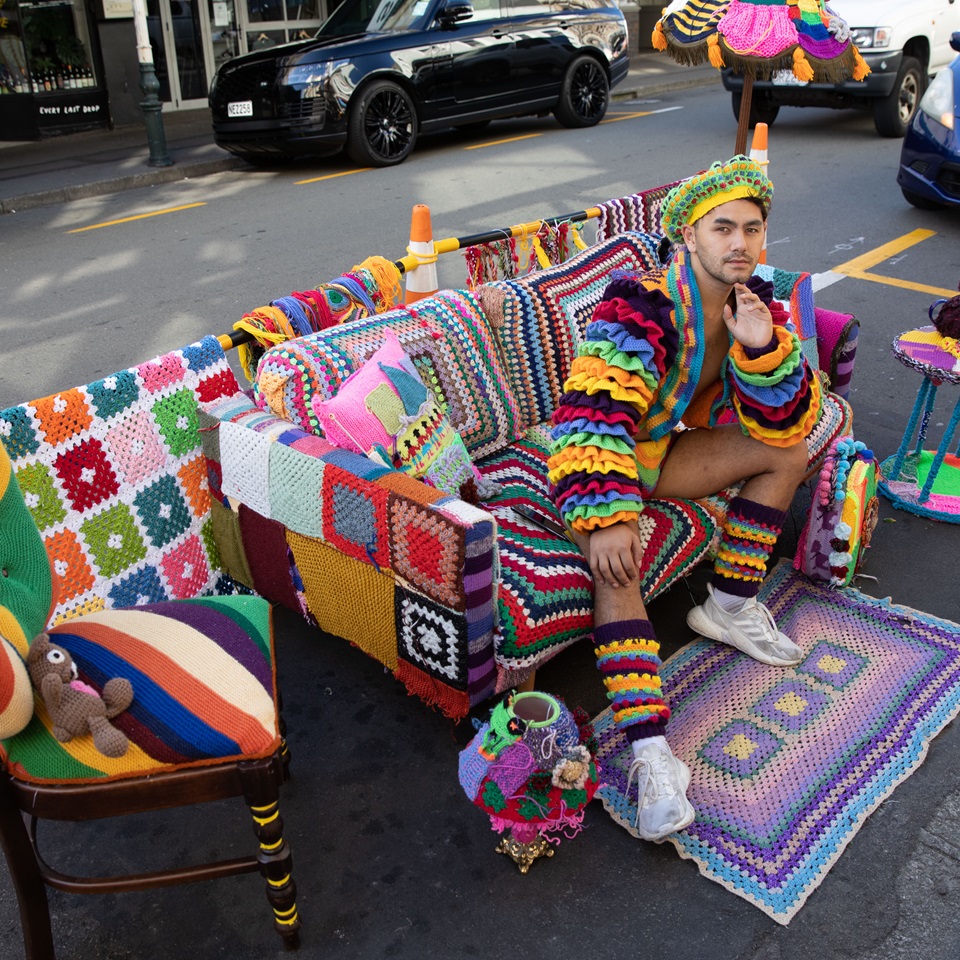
(383,125)
(762,108)
(584,94)
(892,114)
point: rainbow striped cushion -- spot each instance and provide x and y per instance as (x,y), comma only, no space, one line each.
(203,689)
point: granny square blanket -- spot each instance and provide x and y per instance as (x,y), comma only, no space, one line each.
(115,478)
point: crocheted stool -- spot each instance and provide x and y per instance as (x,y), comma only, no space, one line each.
(530,768)
(921,481)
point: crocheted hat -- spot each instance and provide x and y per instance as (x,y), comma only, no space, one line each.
(736,179)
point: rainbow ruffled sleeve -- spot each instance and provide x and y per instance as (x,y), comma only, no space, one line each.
(597,468)
(776,394)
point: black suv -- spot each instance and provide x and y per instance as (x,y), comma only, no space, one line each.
(379,72)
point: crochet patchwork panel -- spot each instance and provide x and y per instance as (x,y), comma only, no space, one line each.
(116,481)
(366,553)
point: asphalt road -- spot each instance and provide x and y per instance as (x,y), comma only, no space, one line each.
(389,864)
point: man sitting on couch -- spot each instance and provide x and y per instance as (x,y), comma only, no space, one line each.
(700,341)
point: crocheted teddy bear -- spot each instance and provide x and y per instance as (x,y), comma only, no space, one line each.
(74,707)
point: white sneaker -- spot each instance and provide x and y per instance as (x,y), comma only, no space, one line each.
(662,781)
(751,630)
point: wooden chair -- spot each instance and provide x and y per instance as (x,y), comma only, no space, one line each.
(204,725)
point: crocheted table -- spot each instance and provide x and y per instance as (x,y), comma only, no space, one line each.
(788,764)
(921,481)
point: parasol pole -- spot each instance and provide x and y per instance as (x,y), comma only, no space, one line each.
(743,122)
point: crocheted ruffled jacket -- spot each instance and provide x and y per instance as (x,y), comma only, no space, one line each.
(638,369)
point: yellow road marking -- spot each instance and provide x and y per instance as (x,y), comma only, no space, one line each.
(330,176)
(496,143)
(859,266)
(626,116)
(139,216)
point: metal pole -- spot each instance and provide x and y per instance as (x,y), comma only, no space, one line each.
(150,85)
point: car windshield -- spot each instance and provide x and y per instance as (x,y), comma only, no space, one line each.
(369,16)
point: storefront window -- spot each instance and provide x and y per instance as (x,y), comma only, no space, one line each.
(57,43)
(14,77)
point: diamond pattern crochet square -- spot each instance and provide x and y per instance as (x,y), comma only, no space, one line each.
(113,476)
(426,553)
(355,516)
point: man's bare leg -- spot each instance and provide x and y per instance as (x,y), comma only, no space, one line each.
(705,461)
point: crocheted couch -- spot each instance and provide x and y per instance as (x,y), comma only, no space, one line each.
(459,601)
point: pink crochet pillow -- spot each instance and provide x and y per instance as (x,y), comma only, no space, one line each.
(385,411)
(365,411)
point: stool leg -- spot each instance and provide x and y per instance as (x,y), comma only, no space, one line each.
(918,406)
(941,453)
(261,787)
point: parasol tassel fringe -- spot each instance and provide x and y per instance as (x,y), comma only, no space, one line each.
(801,68)
(861,71)
(716,54)
(658,39)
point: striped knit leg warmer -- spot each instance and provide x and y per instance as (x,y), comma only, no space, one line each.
(627,657)
(746,543)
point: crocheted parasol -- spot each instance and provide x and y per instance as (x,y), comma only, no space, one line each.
(757,38)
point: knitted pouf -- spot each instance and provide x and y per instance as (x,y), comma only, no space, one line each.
(531,769)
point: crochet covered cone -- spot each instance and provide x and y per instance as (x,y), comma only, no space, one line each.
(531,766)
(759,37)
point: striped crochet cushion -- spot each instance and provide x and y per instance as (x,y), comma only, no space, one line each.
(449,341)
(545,594)
(544,316)
(203,682)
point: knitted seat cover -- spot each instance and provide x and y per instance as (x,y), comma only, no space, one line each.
(203,690)
(546,591)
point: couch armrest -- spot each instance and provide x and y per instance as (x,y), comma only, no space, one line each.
(371,554)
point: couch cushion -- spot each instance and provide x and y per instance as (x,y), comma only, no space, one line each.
(203,689)
(544,315)
(546,591)
(447,337)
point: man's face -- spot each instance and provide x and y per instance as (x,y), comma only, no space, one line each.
(728,241)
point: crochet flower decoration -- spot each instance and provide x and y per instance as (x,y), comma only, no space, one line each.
(572,771)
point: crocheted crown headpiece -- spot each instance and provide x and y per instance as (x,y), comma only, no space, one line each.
(688,201)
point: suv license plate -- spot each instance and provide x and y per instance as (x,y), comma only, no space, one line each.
(785,78)
(242,108)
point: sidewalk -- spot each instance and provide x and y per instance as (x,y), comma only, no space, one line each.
(76,166)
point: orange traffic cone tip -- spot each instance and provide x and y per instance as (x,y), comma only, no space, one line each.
(421,230)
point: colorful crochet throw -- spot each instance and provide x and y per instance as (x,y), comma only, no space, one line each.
(758,37)
(788,764)
(115,478)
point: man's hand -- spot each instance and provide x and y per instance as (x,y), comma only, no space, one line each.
(615,554)
(752,324)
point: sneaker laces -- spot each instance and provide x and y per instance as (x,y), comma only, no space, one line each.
(655,780)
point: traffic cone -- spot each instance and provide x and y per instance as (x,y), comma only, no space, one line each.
(421,280)
(758,152)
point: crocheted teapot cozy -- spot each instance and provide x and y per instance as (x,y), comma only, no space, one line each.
(531,765)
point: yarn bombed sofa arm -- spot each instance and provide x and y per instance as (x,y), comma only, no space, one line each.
(399,569)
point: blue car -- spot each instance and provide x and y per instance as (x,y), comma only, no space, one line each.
(929,175)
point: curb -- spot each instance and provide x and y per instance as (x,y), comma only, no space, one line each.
(665,86)
(83,191)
